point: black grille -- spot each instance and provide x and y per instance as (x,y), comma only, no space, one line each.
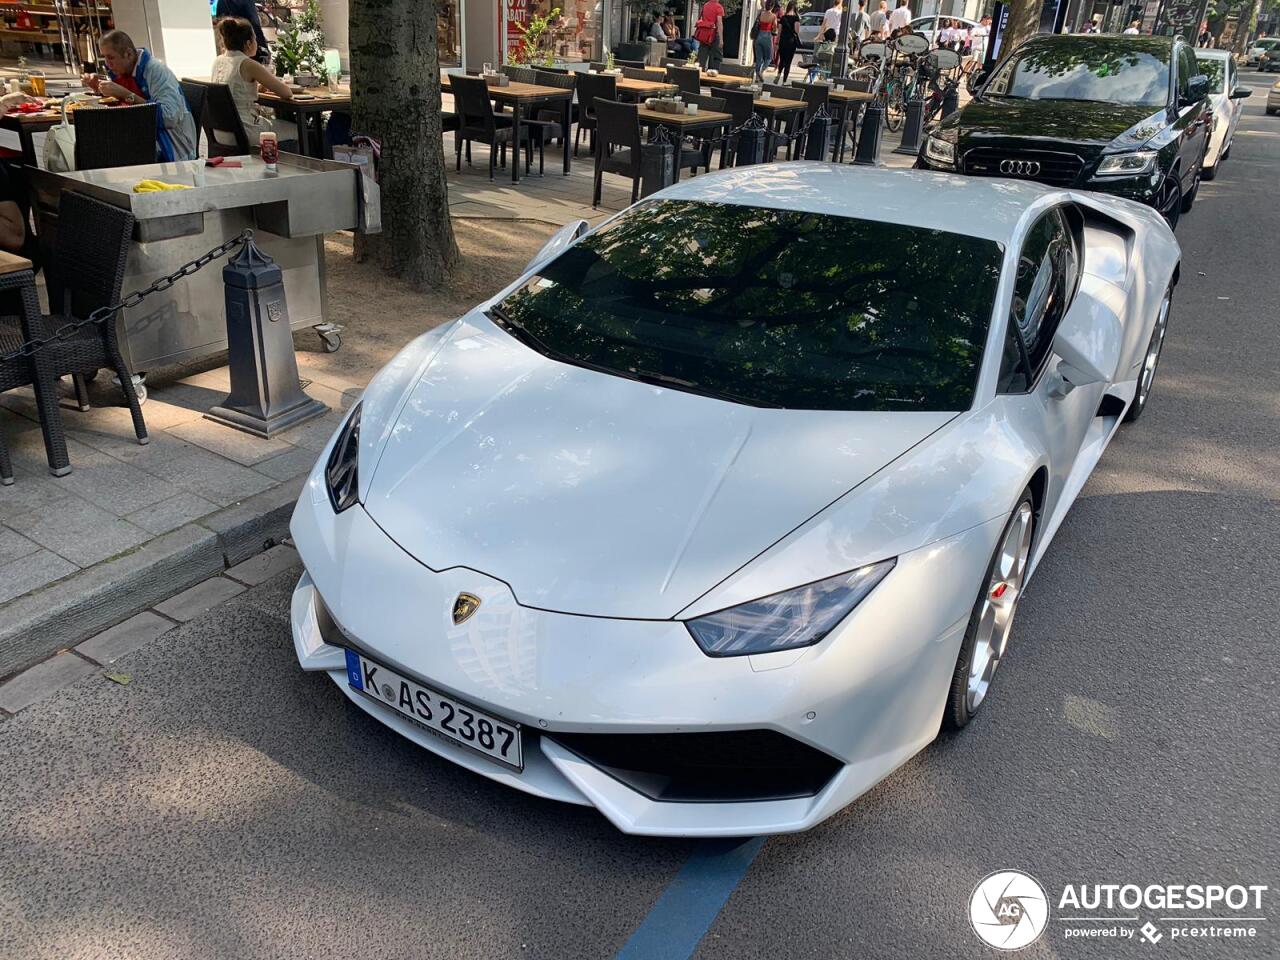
(733,766)
(1055,169)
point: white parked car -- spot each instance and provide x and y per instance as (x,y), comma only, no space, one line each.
(1226,97)
(924,25)
(1260,46)
(711,524)
(808,29)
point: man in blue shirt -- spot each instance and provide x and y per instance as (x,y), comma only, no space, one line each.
(248,10)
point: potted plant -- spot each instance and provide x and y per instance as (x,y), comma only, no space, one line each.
(300,47)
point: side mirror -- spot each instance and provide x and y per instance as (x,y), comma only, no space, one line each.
(1241,93)
(559,241)
(1088,341)
(1197,89)
(980,77)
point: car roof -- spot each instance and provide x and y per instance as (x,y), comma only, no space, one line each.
(989,208)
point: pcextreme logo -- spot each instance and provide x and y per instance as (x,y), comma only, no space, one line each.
(1010,909)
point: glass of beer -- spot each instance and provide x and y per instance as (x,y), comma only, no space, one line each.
(37,83)
(269,147)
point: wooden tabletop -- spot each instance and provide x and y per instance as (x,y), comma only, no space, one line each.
(849,96)
(526,91)
(321,100)
(775,104)
(12,263)
(651,87)
(683,119)
(725,80)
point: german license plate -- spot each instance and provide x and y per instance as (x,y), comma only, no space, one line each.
(441,714)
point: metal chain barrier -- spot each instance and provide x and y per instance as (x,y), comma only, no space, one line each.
(102,314)
(660,133)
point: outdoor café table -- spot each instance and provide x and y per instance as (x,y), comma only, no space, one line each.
(681,125)
(773,112)
(639,89)
(17,273)
(304,106)
(520,96)
(26,125)
(724,80)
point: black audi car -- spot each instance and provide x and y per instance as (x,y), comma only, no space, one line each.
(1122,114)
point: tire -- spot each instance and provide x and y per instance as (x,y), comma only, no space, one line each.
(1272,111)
(1169,200)
(1150,361)
(987,636)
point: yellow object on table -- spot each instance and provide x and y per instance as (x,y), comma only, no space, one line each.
(154,186)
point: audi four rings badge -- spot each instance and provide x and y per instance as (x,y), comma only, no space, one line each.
(1020,168)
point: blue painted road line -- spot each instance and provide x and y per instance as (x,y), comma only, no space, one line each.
(690,904)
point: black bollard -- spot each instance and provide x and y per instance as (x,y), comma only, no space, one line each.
(751,139)
(868,149)
(266,397)
(817,138)
(950,100)
(657,163)
(914,128)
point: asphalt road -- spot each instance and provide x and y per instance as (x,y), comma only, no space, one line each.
(224,804)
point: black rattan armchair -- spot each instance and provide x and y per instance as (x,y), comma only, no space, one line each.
(115,136)
(84,272)
(18,291)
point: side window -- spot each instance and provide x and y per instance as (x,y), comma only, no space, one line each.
(1047,270)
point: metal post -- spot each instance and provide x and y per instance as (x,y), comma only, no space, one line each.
(913,130)
(868,149)
(817,137)
(657,163)
(266,397)
(751,140)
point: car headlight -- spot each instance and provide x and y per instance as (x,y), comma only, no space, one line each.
(340,473)
(787,620)
(940,151)
(1127,164)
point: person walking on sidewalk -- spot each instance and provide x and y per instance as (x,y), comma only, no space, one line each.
(709,32)
(788,42)
(762,41)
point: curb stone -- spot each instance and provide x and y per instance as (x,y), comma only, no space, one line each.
(65,613)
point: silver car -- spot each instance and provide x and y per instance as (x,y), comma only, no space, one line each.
(809,28)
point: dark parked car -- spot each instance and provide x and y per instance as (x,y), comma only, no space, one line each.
(1119,114)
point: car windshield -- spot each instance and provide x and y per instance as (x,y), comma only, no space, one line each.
(768,307)
(1215,70)
(1083,69)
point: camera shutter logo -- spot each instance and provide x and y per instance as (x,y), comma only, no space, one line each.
(1009,910)
(1020,168)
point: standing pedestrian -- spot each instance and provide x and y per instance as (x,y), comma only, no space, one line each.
(709,32)
(859,25)
(880,21)
(762,41)
(900,18)
(1132,28)
(831,19)
(788,42)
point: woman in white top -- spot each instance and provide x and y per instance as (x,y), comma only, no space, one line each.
(236,68)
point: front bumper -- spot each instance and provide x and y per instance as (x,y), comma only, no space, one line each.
(870,695)
(1143,189)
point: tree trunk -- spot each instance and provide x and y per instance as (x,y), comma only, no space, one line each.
(1024,22)
(1244,27)
(395,98)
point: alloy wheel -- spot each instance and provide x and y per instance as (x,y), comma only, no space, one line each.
(1152,359)
(999,603)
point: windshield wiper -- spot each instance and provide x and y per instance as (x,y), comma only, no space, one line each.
(688,386)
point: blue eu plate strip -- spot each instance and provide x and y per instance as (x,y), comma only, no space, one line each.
(690,904)
(354,676)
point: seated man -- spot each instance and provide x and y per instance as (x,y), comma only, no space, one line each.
(137,77)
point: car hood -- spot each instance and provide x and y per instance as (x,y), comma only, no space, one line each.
(1048,124)
(593,494)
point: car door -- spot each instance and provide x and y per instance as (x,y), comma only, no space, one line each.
(1048,274)
(1236,105)
(1193,119)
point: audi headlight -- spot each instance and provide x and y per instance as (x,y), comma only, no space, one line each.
(340,473)
(940,151)
(787,620)
(1127,164)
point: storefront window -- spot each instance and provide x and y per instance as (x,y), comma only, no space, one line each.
(572,37)
(448,33)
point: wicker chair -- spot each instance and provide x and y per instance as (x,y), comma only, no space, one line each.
(224,131)
(34,371)
(592,87)
(116,136)
(687,79)
(478,122)
(84,272)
